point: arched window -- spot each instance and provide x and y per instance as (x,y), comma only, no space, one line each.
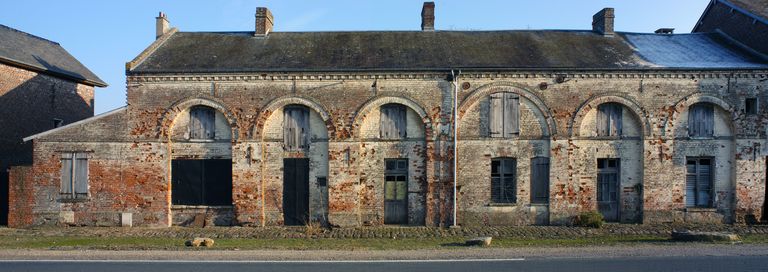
(296,127)
(202,123)
(393,122)
(609,119)
(701,120)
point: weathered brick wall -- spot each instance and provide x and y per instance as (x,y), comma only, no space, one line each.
(29,101)
(737,25)
(557,121)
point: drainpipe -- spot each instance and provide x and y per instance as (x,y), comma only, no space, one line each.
(454,81)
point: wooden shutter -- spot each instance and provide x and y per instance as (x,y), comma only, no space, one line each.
(208,122)
(615,110)
(66,173)
(497,115)
(708,121)
(81,174)
(195,127)
(690,183)
(303,127)
(400,121)
(385,123)
(511,115)
(393,121)
(602,120)
(540,180)
(704,183)
(701,120)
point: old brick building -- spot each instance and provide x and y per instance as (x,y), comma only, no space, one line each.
(41,87)
(357,128)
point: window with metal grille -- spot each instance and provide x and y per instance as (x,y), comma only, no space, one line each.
(74,175)
(701,120)
(202,123)
(296,127)
(698,182)
(504,115)
(609,119)
(504,180)
(393,121)
(540,180)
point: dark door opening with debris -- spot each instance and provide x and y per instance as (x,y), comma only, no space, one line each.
(608,189)
(295,192)
(396,191)
(201,182)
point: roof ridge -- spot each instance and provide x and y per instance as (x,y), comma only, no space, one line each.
(28,34)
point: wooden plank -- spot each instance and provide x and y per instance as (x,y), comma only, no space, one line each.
(496,115)
(511,115)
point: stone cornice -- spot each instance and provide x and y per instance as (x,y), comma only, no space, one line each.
(559,75)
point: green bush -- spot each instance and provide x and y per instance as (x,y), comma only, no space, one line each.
(591,219)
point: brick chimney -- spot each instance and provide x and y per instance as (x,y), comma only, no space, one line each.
(264,21)
(602,22)
(161,25)
(428,16)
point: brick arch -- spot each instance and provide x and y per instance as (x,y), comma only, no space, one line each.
(378,101)
(486,90)
(596,100)
(170,114)
(281,102)
(695,98)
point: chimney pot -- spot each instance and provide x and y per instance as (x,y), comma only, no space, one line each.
(602,22)
(428,16)
(264,21)
(162,25)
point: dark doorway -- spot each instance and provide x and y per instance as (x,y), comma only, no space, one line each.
(4,201)
(295,192)
(201,182)
(396,191)
(608,189)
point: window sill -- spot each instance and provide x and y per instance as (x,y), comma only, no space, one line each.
(700,209)
(74,200)
(502,204)
(202,207)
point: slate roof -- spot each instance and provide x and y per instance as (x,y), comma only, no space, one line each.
(19,48)
(212,52)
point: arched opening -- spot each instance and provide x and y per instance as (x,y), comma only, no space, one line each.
(295,140)
(201,167)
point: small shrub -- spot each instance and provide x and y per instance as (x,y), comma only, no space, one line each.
(591,219)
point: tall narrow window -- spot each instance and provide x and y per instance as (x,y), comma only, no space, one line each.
(503,180)
(540,180)
(504,115)
(750,106)
(698,182)
(296,128)
(609,119)
(701,121)
(74,175)
(202,123)
(393,121)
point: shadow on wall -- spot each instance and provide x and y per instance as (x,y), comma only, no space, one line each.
(30,108)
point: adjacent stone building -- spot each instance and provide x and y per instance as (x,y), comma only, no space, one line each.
(262,128)
(41,87)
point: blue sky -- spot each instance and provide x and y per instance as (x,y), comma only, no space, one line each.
(104,35)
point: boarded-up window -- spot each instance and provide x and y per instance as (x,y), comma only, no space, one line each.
(393,121)
(540,180)
(504,115)
(701,120)
(74,175)
(296,128)
(698,182)
(201,182)
(503,180)
(609,119)
(202,123)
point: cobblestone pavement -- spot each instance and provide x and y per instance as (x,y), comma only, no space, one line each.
(553,232)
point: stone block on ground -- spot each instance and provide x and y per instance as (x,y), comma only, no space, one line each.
(198,242)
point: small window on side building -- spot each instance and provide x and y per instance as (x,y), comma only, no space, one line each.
(74,175)
(750,106)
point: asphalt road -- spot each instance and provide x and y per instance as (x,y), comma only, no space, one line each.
(680,263)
